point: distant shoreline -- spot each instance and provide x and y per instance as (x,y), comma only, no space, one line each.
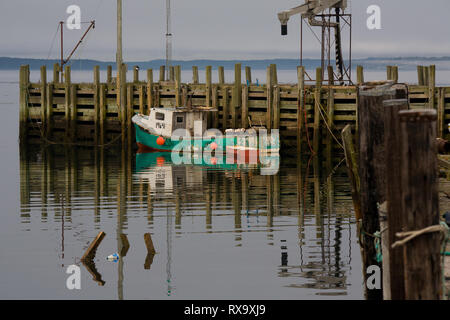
(404,63)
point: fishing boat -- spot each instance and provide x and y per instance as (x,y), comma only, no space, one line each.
(181,129)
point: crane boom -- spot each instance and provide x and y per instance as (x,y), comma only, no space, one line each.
(308,10)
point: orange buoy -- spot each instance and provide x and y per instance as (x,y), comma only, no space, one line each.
(213,146)
(160,141)
(214,161)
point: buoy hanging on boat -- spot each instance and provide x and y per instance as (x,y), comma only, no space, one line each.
(213,146)
(160,141)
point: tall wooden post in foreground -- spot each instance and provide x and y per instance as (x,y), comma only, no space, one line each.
(372,164)
(393,160)
(23,113)
(420,204)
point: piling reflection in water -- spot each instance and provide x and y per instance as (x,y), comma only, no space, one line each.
(88,189)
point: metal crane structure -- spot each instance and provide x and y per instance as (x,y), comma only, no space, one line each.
(168,40)
(319,14)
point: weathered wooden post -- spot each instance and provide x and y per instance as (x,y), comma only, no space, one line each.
(43,97)
(102,113)
(56,69)
(208,86)
(359,75)
(372,164)
(67,88)
(300,105)
(121,83)
(330,75)
(194,74)
(276,97)
(73,112)
(177,70)
(171,73)
(269,85)
(49,111)
(130,111)
(244,114)
(215,105)
(135,74)
(90,251)
(431,85)
(393,162)
(248,75)
(149,90)
(23,113)
(394,74)
(419,192)
(389,72)
(237,94)
(162,73)
(96,103)
(221,74)
(109,74)
(441,112)
(420,80)
(317,98)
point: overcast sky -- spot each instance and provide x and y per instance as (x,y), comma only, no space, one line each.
(213,29)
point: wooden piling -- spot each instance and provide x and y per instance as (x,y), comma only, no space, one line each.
(208,85)
(149,90)
(215,105)
(330,121)
(248,75)
(90,252)
(276,107)
(56,70)
(394,74)
(130,112)
(24,98)
(102,113)
(237,94)
(67,87)
(221,74)
(372,163)
(422,263)
(389,72)
(441,113)
(73,112)
(162,73)
(122,98)
(269,84)
(49,111)
(359,75)
(425,75)
(135,74)
(300,104)
(225,108)
(177,71)
(171,73)
(43,97)
(96,103)
(141,93)
(317,98)
(420,80)
(194,74)
(109,74)
(330,75)
(431,85)
(244,114)
(393,162)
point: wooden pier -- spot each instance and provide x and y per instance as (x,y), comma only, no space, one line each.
(99,113)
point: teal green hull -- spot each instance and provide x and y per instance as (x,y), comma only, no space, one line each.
(149,140)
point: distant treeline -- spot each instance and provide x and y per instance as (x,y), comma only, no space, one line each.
(404,63)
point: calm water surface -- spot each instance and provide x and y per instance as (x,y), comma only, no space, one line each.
(231,232)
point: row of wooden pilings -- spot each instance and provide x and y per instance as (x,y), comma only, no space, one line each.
(394,179)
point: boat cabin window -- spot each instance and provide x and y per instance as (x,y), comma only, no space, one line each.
(159,116)
(179,119)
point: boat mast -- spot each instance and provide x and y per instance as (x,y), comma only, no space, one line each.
(168,41)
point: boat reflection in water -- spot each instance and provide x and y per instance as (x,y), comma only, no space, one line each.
(220,230)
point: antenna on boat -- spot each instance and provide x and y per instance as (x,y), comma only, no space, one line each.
(168,40)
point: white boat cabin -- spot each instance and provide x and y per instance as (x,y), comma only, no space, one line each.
(163,121)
